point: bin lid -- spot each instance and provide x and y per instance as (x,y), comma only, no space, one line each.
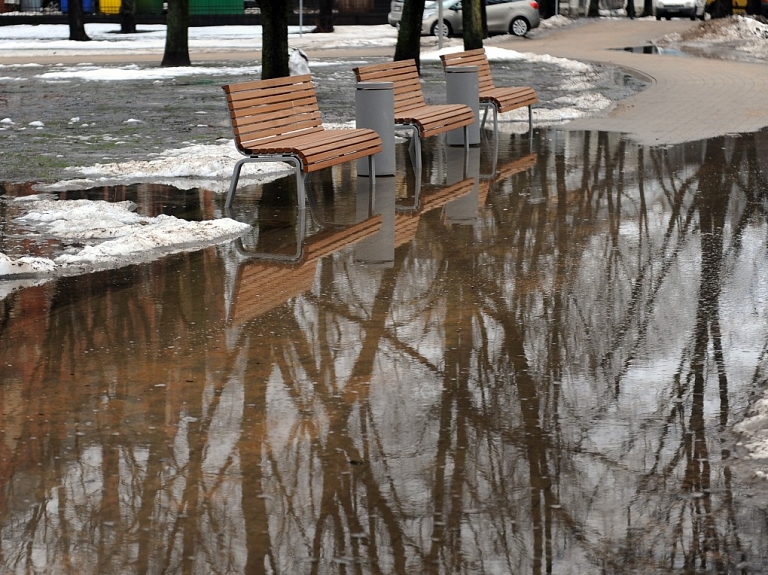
(375,85)
(461,69)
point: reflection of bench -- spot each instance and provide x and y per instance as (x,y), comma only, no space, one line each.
(500,99)
(261,286)
(504,172)
(279,120)
(411,110)
(407,218)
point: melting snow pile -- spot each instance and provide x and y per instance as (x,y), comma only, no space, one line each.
(198,166)
(114,233)
(739,33)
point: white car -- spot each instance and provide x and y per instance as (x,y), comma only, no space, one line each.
(682,8)
(503,16)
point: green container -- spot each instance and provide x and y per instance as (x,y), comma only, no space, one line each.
(204,7)
(149,6)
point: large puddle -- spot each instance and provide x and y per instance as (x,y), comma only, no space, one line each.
(523,361)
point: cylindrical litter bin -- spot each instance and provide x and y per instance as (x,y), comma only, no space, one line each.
(462,87)
(375,109)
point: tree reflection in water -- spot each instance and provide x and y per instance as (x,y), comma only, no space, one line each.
(542,385)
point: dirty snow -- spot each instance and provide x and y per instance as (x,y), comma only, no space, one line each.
(114,234)
(738,34)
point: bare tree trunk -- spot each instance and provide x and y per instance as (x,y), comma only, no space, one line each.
(409,36)
(274,51)
(721,8)
(547,8)
(594,9)
(648,8)
(177,34)
(472,22)
(76,21)
(324,21)
(128,16)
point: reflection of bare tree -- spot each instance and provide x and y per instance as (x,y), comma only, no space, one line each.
(540,389)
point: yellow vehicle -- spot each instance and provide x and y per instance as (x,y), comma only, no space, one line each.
(738,6)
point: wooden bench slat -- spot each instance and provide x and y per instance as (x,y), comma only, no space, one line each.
(281,122)
(276,102)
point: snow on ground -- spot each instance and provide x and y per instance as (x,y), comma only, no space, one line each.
(739,34)
(114,234)
(125,237)
(22,41)
(198,166)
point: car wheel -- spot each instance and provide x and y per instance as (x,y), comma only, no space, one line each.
(658,16)
(519,26)
(444,30)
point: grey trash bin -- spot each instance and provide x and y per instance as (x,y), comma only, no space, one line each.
(375,109)
(462,87)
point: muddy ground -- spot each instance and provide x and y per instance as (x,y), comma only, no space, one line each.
(130,120)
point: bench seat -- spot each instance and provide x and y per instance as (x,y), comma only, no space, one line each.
(278,120)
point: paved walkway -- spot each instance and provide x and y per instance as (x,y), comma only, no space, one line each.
(690,98)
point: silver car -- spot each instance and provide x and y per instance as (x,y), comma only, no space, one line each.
(504,17)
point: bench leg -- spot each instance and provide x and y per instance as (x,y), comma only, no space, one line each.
(233,183)
(372,174)
(530,119)
(300,187)
(414,148)
(485,115)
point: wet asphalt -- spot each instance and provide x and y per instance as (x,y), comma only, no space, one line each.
(688,98)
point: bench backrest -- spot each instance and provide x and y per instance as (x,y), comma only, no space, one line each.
(404,75)
(267,110)
(472,58)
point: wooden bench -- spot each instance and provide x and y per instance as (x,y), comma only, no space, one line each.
(411,110)
(279,120)
(500,99)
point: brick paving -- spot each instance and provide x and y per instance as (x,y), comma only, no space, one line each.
(689,98)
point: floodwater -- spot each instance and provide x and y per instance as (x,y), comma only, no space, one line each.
(526,360)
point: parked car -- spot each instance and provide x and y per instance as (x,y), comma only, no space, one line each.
(504,17)
(681,8)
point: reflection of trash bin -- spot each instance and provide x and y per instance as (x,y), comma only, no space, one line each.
(461,83)
(87,5)
(377,250)
(31,5)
